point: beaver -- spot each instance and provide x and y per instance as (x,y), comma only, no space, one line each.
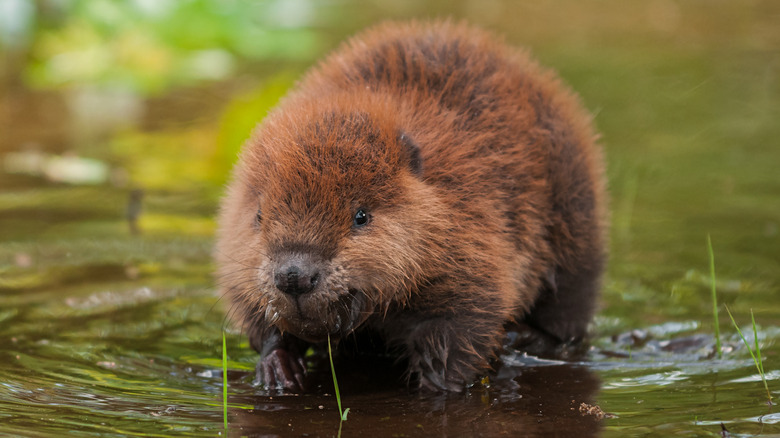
(425,182)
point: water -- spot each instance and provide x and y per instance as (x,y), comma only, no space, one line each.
(108,332)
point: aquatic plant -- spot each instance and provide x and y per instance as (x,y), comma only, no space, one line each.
(342,414)
(755,356)
(224,380)
(714,298)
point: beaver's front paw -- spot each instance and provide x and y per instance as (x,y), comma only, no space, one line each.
(281,369)
(433,375)
(441,359)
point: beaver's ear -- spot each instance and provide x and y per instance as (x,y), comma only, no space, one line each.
(412,153)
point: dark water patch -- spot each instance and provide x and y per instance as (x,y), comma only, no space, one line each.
(531,402)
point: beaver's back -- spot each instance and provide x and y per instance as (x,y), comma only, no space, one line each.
(501,136)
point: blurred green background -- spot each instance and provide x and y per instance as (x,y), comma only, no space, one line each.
(114,112)
(101,97)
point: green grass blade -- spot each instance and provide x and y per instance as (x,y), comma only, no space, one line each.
(224,379)
(756,360)
(755,339)
(714,298)
(342,414)
(741,336)
(758,355)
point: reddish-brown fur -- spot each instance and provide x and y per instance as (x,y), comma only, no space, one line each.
(485,193)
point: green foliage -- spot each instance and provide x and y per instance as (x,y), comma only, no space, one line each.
(242,116)
(150,46)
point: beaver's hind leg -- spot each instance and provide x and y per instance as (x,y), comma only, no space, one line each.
(566,304)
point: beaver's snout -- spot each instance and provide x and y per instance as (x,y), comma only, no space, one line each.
(297,275)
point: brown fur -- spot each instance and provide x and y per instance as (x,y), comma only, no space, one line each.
(484,189)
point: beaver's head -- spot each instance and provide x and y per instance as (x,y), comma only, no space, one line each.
(324,223)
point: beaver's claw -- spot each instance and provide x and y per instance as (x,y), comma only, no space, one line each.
(281,369)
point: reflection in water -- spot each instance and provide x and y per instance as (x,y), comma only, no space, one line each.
(534,401)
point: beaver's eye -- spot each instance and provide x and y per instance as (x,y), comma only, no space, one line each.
(361,218)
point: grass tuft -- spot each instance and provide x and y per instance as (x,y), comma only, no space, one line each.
(342,414)
(224,379)
(757,355)
(714,298)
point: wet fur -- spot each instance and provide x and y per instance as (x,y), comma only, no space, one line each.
(483,181)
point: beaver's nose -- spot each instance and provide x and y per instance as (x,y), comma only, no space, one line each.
(296,278)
